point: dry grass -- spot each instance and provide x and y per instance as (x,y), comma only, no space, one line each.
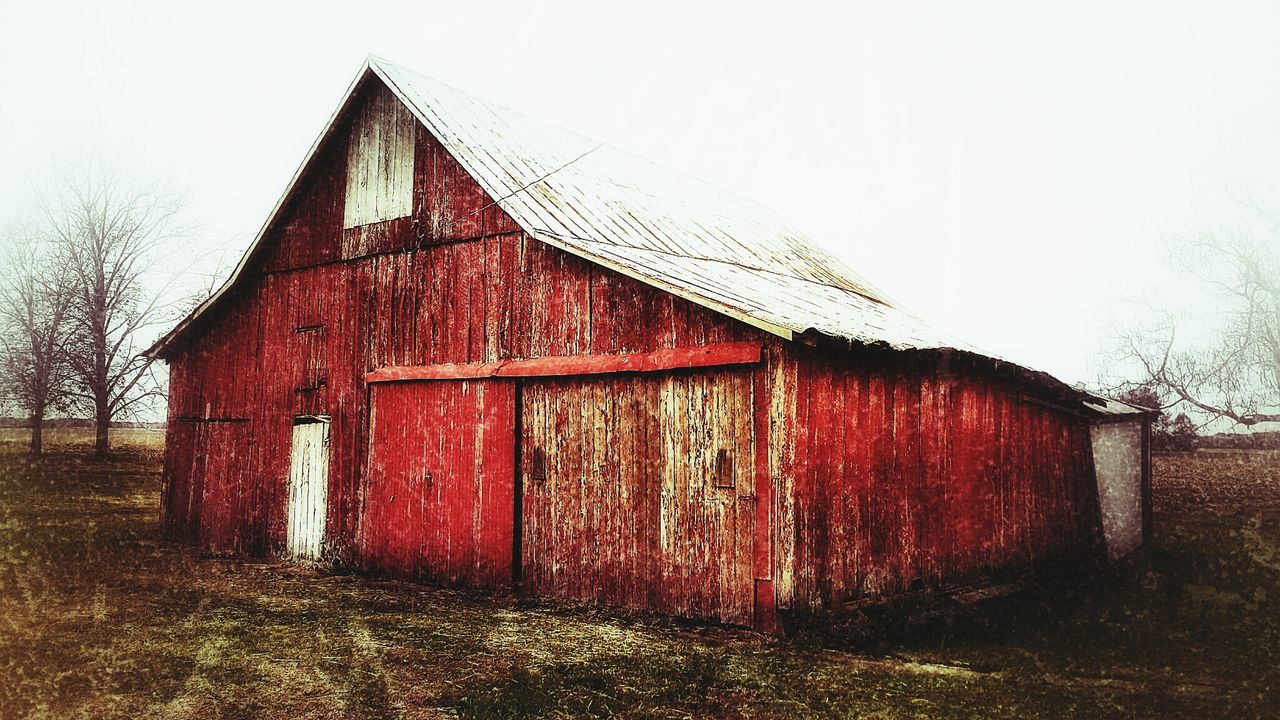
(100,618)
(75,439)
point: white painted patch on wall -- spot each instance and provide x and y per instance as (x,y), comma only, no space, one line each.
(380,162)
(308,488)
(1117,462)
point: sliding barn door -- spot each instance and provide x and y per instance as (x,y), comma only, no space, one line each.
(308,488)
(439,501)
(637,491)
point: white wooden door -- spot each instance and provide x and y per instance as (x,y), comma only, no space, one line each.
(308,488)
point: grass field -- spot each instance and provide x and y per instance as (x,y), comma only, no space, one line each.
(101,618)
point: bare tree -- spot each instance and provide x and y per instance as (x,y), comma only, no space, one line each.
(203,285)
(1236,374)
(35,307)
(111,233)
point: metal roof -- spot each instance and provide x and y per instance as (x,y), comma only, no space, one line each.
(657,225)
(1116,408)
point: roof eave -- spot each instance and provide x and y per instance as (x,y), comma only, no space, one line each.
(158,348)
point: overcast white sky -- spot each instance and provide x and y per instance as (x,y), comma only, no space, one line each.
(1002,170)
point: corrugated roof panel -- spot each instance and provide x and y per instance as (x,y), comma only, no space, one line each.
(658,224)
(1111,406)
(775,298)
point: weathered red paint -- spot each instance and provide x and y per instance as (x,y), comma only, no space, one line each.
(439,497)
(905,470)
(856,472)
(766,597)
(621,500)
(668,359)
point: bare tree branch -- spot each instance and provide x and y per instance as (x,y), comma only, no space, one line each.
(110,234)
(35,308)
(1236,373)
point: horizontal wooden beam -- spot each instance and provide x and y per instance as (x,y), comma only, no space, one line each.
(739,353)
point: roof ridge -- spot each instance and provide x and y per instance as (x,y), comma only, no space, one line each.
(588,138)
(796,254)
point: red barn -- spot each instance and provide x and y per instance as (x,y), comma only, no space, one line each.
(473,348)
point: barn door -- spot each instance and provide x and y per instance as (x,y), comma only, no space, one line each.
(308,487)
(638,491)
(439,498)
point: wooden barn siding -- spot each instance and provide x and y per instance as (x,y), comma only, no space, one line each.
(439,500)
(380,161)
(462,302)
(456,282)
(638,491)
(181,494)
(896,470)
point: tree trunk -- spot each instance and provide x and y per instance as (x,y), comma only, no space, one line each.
(102,440)
(37,432)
